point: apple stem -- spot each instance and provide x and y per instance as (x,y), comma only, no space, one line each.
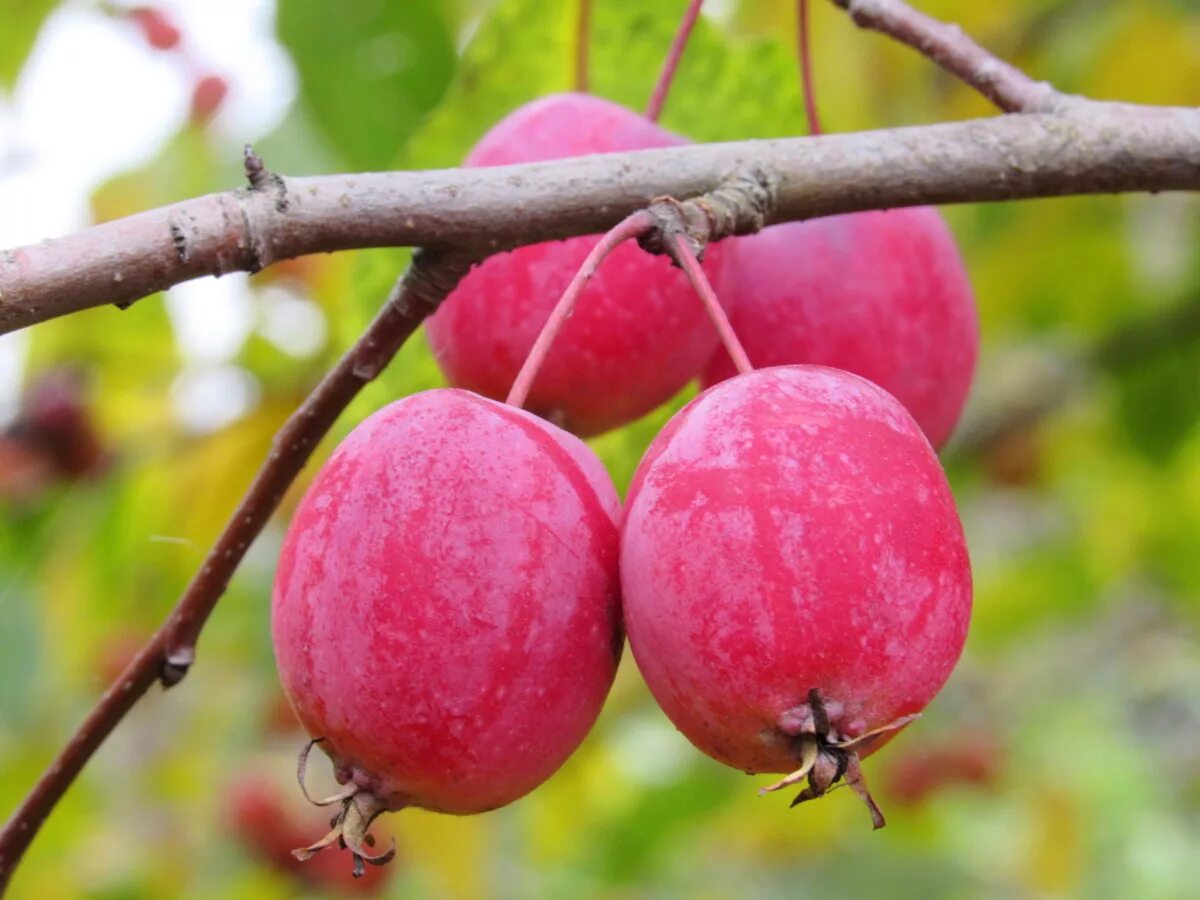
(804,49)
(583,28)
(681,251)
(667,75)
(631,226)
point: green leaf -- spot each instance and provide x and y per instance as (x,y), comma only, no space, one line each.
(21,20)
(752,83)
(1158,403)
(525,49)
(521,50)
(368,71)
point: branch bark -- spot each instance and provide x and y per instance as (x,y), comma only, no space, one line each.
(1091,148)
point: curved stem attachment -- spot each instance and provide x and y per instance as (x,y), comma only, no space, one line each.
(671,63)
(681,251)
(302,768)
(804,52)
(632,226)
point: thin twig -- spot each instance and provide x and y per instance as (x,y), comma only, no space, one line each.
(671,63)
(1103,149)
(950,47)
(169,653)
(634,225)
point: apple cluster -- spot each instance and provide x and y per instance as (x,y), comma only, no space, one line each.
(454,590)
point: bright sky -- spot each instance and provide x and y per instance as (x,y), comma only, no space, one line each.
(94,100)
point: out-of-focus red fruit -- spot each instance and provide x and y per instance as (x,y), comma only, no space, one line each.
(156,26)
(25,471)
(1015,459)
(971,757)
(269,823)
(794,573)
(55,419)
(881,294)
(207,96)
(638,334)
(446,605)
(53,438)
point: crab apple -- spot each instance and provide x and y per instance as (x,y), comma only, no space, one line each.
(968,757)
(795,578)
(638,334)
(881,294)
(446,611)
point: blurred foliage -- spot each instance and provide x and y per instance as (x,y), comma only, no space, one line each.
(1081,679)
(369,71)
(21,19)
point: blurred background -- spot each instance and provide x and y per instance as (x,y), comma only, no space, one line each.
(1062,760)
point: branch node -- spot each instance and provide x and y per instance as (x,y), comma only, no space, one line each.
(263,182)
(176,665)
(430,277)
(256,171)
(262,179)
(739,205)
(179,239)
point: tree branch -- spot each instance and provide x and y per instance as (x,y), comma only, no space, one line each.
(169,654)
(1006,86)
(1097,148)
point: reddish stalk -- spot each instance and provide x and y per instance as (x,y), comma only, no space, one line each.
(632,226)
(682,253)
(583,29)
(667,75)
(804,51)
